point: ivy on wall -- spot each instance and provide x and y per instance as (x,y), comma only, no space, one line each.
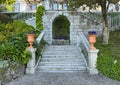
(39,14)
(61,27)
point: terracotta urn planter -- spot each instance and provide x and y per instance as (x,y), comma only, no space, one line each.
(92,39)
(30,39)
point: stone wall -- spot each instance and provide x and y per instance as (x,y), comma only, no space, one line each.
(8,74)
(77,23)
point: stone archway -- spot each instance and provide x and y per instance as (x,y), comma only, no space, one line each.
(60,30)
(72,17)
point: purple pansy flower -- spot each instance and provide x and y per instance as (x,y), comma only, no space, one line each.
(92,32)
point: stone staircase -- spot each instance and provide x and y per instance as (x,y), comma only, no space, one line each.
(62,58)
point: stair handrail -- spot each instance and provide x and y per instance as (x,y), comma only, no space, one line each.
(40,37)
(83,43)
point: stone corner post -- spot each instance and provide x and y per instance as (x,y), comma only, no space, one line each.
(92,60)
(31,63)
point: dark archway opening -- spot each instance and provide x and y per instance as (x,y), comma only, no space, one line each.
(61,28)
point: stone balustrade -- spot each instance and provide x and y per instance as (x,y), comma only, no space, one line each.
(90,55)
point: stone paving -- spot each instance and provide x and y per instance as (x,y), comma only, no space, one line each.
(63,79)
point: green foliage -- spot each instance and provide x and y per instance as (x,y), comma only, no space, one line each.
(9,8)
(13,44)
(113,14)
(39,14)
(8,5)
(11,29)
(7,1)
(61,27)
(108,62)
(5,19)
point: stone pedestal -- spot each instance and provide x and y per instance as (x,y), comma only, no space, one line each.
(92,58)
(31,63)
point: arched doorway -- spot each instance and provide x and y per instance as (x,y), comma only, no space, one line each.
(61,30)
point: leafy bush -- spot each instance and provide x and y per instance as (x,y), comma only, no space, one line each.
(13,44)
(61,27)
(39,14)
(13,41)
(7,30)
(108,62)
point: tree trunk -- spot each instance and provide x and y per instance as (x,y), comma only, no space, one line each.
(105,24)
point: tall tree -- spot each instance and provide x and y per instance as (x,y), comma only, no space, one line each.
(104,6)
(33,1)
(5,3)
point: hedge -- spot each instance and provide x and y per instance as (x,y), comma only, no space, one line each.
(39,14)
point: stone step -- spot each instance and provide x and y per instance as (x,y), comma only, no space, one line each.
(61,49)
(62,67)
(61,71)
(64,53)
(61,60)
(57,56)
(59,68)
(61,64)
(61,46)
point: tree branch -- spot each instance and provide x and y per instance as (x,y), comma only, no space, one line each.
(108,5)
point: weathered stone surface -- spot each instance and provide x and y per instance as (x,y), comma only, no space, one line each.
(51,15)
(64,79)
(11,74)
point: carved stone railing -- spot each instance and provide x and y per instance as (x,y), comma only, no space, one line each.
(23,15)
(32,64)
(89,55)
(83,43)
(114,22)
(96,17)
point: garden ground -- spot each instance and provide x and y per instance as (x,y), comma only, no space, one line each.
(63,79)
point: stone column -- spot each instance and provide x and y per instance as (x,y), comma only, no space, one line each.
(17,6)
(47,7)
(31,63)
(92,60)
(59,6)
(20,6)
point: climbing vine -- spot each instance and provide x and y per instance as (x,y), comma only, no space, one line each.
(39,14)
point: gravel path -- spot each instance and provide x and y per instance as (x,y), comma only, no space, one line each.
(63,79)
